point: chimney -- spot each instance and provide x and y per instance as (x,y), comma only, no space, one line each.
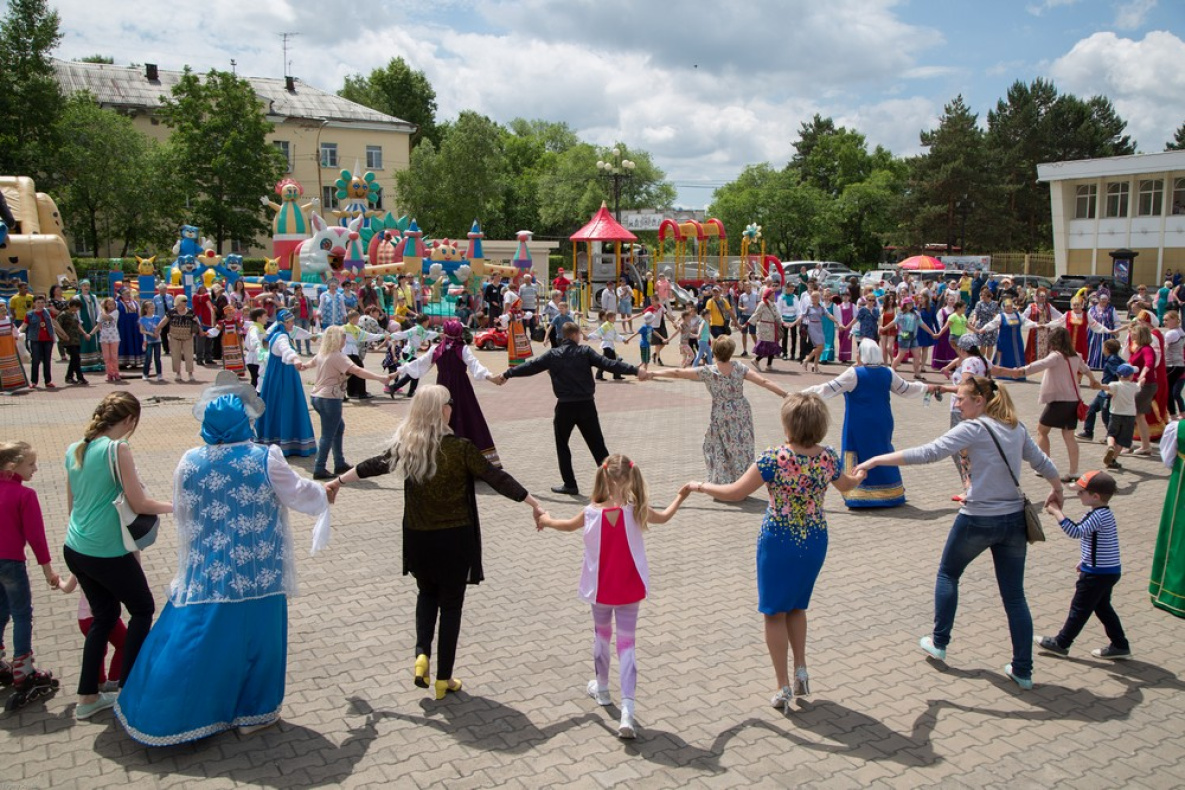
(290,84)
(151,73)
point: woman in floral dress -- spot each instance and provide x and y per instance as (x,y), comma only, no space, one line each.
(728,444)
(793,540)
(985,310)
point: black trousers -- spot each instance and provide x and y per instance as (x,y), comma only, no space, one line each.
(440,561)
(41,352)
(790,343)
(356,385)
(582,415)
(608,353)
(74,366)
(253,369)
(108,582)
(1092,595)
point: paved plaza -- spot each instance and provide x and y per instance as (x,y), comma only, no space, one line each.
(881,714)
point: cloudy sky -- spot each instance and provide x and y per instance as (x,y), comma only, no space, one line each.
(704,88)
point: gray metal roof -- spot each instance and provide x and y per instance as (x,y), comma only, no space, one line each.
(128,86)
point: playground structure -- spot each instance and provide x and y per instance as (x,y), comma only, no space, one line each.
(35,250)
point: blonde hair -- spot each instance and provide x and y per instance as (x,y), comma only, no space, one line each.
(1142,334)
(111,411)
(11,454)
(617,473)
(805,419)
(332,341)
(998,404)
(723,348)
(417,439)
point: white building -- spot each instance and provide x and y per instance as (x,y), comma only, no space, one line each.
(1135,202)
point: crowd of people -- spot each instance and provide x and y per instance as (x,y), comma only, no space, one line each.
(232,494)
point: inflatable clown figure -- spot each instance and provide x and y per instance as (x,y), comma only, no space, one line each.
(522,256)
(357,193)
(291,225)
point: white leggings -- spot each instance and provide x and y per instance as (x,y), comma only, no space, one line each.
(627,624)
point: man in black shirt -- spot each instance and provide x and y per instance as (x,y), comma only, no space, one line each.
(570,367)
(492,294)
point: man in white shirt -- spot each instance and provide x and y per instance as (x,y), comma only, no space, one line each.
(609,297)
(747,302)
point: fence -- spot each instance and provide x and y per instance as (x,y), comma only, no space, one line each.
(1038,263)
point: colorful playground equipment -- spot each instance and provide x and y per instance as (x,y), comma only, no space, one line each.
(291,225)
(706,240)
(35,250)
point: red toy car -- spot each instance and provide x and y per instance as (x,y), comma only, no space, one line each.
(488,339)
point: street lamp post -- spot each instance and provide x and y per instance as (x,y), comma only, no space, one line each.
(964,205)
(617,169)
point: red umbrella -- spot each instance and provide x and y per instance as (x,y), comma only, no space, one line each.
(922,263)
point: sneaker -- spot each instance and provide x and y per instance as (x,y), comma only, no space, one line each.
(1084,435)
(87,709)
(927,643)
(599,694)
(1111,652)
(628,728)
(1024,683)
(1049,645)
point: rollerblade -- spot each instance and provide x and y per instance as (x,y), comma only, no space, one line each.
(32,688)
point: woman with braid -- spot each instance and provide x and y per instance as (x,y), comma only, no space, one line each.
(109,574)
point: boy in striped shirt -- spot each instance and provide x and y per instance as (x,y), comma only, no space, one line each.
(1099,570)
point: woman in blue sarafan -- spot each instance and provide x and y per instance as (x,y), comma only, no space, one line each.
(1013,327)
(286,421)
(226,621)
(868,423)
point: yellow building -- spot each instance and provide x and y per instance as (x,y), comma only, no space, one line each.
(1135,202)
(319,133)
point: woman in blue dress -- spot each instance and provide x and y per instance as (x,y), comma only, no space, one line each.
(217,657)
(1012,327)
(793,540)
(928,312)
(1102,313)
(868,423)
(829,303)
(286,421)
(131,339)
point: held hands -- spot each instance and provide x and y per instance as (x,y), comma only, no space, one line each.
(645,375)
(51,577)
(685,491)
(1055,501)
(500,379)
(540,516)
(331,489)
(864,468)
(859,473)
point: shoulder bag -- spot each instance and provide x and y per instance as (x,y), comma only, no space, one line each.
(139,531)
(1082,410)
(1033,531)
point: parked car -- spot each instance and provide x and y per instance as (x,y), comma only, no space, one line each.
(1067,285)
(1029,281)
(879,277)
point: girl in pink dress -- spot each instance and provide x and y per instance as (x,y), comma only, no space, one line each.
(615,575)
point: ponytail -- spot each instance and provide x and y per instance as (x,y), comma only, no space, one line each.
(618,472)
(999,404)
(112,410)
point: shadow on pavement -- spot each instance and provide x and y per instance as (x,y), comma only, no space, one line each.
(479,722)
(911,513)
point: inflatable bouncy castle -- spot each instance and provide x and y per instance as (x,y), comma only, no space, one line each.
(35,249)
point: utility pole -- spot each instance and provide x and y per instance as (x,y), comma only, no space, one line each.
(284,39)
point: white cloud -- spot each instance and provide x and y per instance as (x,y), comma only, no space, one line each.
(1131,15)
(1143,79)
(1037,9)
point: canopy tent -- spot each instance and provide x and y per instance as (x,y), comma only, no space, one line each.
(922,263)
(602,227)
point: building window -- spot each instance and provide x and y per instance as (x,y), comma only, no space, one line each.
(1086,201)
(327,202)
(328,154)
(1179,196)
(237,247)
(283,147)
(374,157)
(1117,195)
(1151,202)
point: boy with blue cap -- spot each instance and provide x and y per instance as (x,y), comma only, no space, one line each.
(1123,414)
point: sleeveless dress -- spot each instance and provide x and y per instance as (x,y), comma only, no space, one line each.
(285,421)
(1010,348)
(868,431)
(1167,583)
(131,339)
(792,543)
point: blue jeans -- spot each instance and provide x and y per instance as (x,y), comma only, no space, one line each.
(1100,404)
(16,602)
(704,353)
(333,427)
(151,352)
(969,537)
(303,323)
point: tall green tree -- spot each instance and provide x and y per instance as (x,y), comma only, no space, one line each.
(223,157)
(575,188)
(399,90)
(30,99)
(788,211)
(1178,141)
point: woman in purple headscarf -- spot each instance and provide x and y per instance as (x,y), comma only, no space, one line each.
(452,359)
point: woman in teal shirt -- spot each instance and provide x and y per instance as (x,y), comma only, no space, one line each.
(108,574)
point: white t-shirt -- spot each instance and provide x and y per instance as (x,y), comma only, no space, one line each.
(1123,397)
(748,302)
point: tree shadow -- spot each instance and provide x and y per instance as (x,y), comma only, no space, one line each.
(257,759)
(479,722)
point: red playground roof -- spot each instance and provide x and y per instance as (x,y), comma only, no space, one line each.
(602,227)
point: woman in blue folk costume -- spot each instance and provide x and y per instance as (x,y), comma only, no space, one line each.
(829,303)
(868,423)
(286,421)
(1010,346)
(226,621)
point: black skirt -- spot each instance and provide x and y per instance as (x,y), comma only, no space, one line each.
(1061,414)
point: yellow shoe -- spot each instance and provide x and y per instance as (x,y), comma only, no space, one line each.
(422,671)
(445,686)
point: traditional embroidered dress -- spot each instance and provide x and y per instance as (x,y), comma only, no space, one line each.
(1078,325)
(454,364)
(12,372)
(944,352)
(1167,584)
(868,429)
(1106,318)
(1010,349)
(828,354)
(131,339)
(217,657)
(1159,373)
(286,421)
(768,323)
(844,312)
(1040,314)
(92,354)
(232,345)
